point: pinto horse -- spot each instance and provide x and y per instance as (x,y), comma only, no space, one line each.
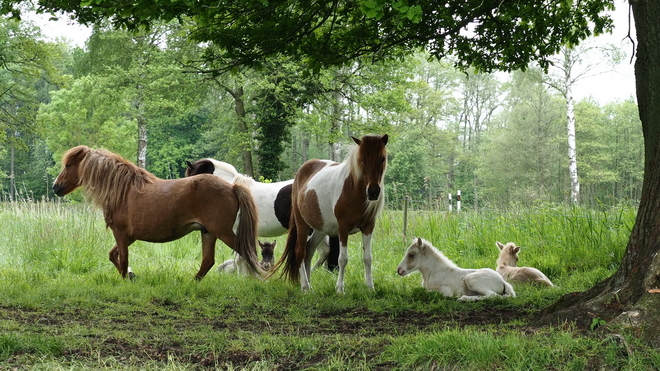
(139,206)
(335,199)
(273,200)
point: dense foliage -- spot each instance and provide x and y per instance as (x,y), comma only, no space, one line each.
(499,140)
(487,34)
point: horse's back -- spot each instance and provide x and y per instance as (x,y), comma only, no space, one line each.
(525,275)
(201,195)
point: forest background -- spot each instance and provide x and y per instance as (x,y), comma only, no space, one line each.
(499,138)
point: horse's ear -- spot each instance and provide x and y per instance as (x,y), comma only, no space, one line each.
(356,140)
(516,249)
(189,164)
(499,245)
(384,139)
(260,243)
(419,242)
(274,243)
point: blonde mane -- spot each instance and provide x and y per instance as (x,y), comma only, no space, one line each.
(351,161)
(427,247)
(107,178)
(237,178)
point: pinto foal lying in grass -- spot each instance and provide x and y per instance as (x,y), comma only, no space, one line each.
(506,266)
(442,275)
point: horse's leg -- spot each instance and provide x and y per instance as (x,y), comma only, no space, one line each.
(114,257)
(208,254)
(301,253)
(323,249)
(119,254)
(312,243)
(343,260)
(366,258)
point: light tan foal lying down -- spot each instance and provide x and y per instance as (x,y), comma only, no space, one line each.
(506,266)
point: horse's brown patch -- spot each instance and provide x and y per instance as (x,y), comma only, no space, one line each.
(310,203)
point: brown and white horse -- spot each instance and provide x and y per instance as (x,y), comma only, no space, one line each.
(335,199)
(139,206)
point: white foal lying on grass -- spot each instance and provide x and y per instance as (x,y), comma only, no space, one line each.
(506,266)
(442,275)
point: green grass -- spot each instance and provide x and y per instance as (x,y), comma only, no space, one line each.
(64,306)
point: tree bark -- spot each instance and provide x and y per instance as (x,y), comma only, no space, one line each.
(572,152)
(630,297)
(239,108)
(142,131)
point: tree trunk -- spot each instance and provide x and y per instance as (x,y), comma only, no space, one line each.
(630,297)
(246,152)
(570,126)
(142,131)
(333,149)
(12,175)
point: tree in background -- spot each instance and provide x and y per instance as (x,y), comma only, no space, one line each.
(520,161)
(573,66)
(27,72)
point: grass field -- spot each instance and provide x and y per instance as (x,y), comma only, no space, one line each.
(63,306)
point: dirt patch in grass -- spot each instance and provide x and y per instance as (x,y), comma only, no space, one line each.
(166,331)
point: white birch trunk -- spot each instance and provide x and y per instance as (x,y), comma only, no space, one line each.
(572,153)
(142,131)
(142,143)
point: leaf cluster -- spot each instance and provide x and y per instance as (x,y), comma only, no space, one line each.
(486,34)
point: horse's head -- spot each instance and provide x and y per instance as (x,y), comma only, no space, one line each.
(413,258)
(204,166)
(69,178)
(508,254)
(372,160)
(267,254)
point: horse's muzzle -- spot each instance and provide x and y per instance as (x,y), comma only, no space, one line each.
(401,271)
(58,190)
(373,193)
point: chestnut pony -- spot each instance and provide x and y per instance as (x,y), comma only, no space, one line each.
(139,206)
(335,199)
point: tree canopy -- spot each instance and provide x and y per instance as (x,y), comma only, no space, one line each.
(486,34)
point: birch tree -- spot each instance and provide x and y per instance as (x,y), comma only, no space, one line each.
(575,63)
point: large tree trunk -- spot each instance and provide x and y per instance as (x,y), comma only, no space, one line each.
(630,297)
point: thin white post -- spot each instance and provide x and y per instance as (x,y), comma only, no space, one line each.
(458,200)
(451,207)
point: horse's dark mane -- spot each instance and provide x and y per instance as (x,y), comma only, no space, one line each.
(107,178)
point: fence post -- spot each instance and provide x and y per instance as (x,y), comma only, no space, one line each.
(451,207)
(458,200)
(405,219)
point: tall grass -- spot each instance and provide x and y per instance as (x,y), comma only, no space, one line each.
(53,258)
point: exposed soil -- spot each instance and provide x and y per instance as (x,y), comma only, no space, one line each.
(99,333)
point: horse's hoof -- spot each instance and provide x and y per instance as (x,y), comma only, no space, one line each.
(131,276)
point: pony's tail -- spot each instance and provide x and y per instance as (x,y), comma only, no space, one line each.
(288,258)
(246,233)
